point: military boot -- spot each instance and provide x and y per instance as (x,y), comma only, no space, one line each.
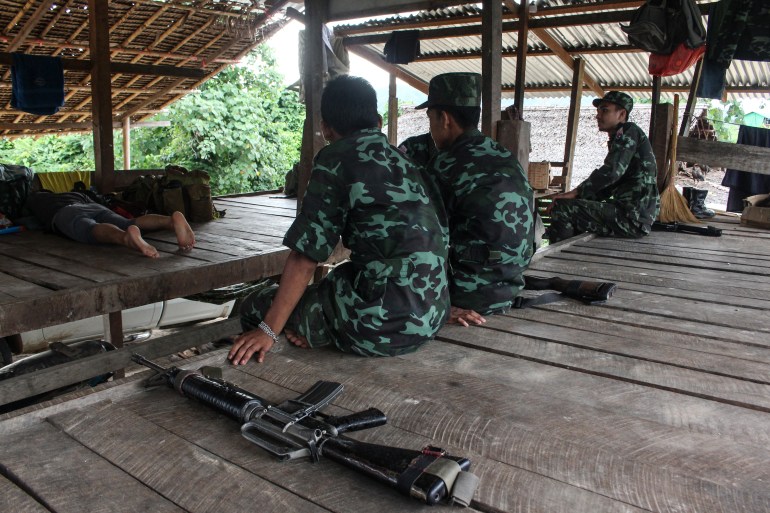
(698,204)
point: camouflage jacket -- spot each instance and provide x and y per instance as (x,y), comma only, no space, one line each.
(392,296)
(419,148)
(628,177)
(490,207)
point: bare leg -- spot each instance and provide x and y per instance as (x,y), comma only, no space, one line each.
(131,238)
(297,340)
(176,221)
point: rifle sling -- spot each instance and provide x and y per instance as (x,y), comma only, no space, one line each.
(443,468)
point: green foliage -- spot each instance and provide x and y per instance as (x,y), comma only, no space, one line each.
(243,127)
(725,117)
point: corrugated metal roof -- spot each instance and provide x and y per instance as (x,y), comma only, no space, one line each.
(546,74)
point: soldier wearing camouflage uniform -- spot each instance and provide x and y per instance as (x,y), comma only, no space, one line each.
(392,296)
(419,148)
(619,199)
(488,200)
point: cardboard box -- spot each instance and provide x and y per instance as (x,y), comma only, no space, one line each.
(753,215)
(539,174)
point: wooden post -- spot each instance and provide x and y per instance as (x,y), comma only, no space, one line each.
(684,128)
(656,83)
(514,134)
(392,111)
(127,143)
(312,139)
(114,335)
(491,65)
(101,95)
(660,138)
(521,58)
(578,69)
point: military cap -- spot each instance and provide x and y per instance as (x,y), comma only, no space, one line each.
(618,98)
(454,90)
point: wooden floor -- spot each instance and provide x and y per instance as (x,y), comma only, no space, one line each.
(657,401)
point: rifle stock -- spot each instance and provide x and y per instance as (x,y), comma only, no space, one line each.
(296,428)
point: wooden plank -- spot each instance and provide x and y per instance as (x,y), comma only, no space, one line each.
(40,381)
(535,433)
(87,301)
(66,477)
(729,390)
(738,245)
(753,159)
(662,283)
(521,59)
(13,287)
(694,262)
(346,490)
(696,272)
(573,119)
(703,253)
(646,350)
(194,479)
(14,499)
(751,353)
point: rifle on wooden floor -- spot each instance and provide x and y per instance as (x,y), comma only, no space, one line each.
(589,292)
(674,226)
(297,429)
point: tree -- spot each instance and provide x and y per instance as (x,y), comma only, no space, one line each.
(726,117)
(243,127)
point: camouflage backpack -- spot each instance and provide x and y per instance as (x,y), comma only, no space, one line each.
(15,182)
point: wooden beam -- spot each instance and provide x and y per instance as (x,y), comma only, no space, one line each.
(491,66)
(423,23)
(753,159)
(572,122)
(567,59)
(656,84)
(104,151)
(376,59)
(122,67)
(45,380)
(313,75)
(392,111)
(684,128)
(29,26)
(521,59)
(126,126)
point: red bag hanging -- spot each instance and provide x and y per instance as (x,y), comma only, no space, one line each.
(676,62)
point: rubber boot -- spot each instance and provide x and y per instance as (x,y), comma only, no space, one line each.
(698,204)
(687,193)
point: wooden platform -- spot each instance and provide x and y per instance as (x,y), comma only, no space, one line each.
(47,280)
(657,401)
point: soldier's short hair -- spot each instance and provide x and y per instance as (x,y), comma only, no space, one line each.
(349,104)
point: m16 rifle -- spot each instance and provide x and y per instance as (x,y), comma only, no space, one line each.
(709,230)
(297,428)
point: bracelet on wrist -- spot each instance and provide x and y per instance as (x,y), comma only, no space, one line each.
(264,327)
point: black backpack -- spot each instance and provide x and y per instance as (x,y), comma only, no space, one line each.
(15,182)
(659,26)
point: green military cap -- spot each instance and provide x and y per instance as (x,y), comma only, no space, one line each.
(454,90)
(618,98)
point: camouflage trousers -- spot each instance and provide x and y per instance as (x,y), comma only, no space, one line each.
(319,318)
(306,320)
(571,217)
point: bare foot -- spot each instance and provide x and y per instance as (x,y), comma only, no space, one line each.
(133,239)
(297,340)
(462,316)
(184,234)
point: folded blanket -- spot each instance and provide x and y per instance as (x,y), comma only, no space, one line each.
(37,84)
